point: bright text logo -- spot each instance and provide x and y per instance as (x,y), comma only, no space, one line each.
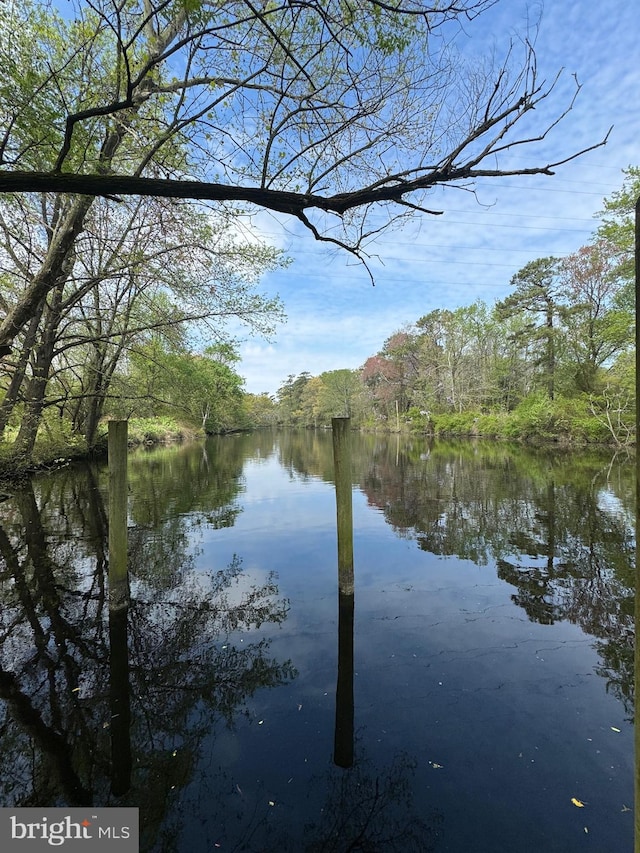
(114,829)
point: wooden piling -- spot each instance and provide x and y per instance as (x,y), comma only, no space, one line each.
(344,510)
(344,722)
(118,501)
(637,597)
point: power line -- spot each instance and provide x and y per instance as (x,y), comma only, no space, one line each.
(554,189)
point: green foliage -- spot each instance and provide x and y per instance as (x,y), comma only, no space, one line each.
(205,390)
(553,361)
(92,92)
(338,394)
(332,97)
(159,430)
(536,296)
(532,418)
(537,418)
(260,410)
(618,225)
(491,425)
(456,423)
(418,420)
(56,443)
(595,326)
(290,399)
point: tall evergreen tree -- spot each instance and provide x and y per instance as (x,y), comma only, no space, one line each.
(537,293)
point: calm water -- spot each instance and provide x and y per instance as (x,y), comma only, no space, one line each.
(492,649)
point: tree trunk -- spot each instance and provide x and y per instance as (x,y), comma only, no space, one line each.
(17,380)
(57,259)
(551,354)
(94,392)
(37,386)
(95,405)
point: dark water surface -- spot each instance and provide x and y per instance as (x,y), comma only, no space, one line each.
(492,666)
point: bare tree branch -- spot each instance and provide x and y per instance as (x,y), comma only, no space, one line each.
(299,107)
(281,201)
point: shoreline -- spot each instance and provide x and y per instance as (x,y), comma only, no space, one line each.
(156,433)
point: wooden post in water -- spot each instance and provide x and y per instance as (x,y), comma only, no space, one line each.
(343,739)
(636,725)
(342,473)
(118,569)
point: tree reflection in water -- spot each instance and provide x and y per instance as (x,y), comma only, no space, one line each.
(372,809)
(556,528)
(83,702)
(556,531)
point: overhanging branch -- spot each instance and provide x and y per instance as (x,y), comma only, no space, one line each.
(281,201)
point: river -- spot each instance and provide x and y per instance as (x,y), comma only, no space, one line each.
(486,666)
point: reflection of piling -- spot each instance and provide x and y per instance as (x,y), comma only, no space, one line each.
(343,742)
(119,702)
(118,578)
(637,608)
(118,610)
(343,738)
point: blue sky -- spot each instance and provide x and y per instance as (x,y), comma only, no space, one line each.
(336,318)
